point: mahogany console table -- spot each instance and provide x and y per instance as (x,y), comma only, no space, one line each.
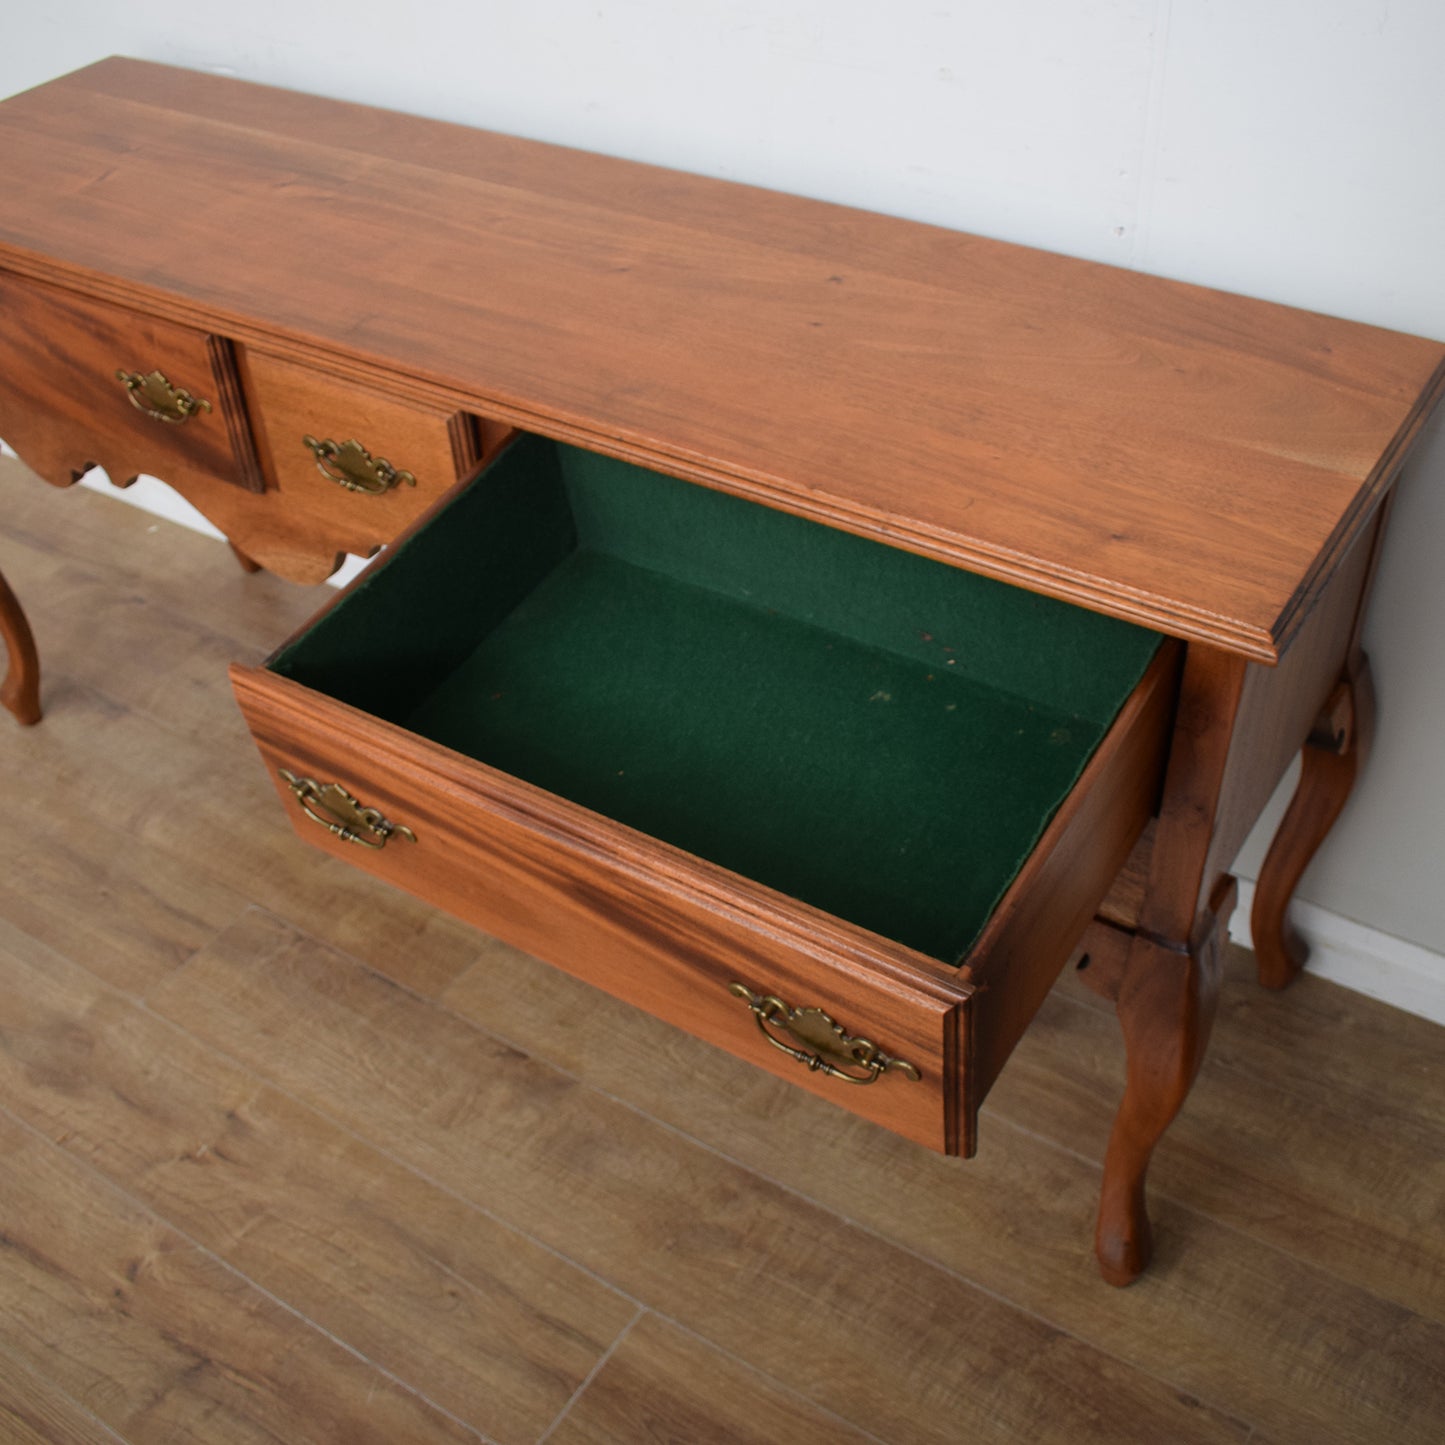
(813,627)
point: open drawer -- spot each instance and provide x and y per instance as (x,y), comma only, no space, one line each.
(837,808)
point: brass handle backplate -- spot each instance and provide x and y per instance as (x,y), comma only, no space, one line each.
(356,469)
(826,1046)
(157,398)
(341,815)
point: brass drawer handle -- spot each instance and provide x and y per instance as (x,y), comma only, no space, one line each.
(357,469)
(157,398)
(828,1047)
(341,815)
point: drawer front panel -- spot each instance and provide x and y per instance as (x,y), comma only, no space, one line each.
(64,409)
(651,925)
(374,461)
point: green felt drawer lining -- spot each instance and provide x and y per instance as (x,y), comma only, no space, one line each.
(879,735)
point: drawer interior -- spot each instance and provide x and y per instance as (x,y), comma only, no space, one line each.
(874,733)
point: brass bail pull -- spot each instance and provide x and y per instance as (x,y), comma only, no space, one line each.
(355,468)
(159,399)
(330,805)
(817,1042)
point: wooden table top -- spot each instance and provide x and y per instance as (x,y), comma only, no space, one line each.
(1182,457)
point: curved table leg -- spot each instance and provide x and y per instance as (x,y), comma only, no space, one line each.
(1166,1001)
(21,690)
(1329,763)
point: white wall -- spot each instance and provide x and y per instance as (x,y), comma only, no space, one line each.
(1292,149)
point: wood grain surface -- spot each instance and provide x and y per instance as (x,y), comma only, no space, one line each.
(671,933)
(522,1140)
(171,942)
(662,1383)
(34,1412)
(176,1344)
(665,930)
(483,1322)
(63,409)
(1327,1281)
(1190,459)
(293,402)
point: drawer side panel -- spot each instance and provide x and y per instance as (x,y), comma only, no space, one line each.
(1049,906)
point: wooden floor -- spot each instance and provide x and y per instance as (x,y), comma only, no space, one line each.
(289,1157)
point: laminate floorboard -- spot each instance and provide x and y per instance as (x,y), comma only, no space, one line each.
(661,1383)
(35,1412)
(1213,1278)
(479,1319)
(287,1156)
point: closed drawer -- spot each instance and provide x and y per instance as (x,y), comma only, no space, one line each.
(176,410)
(352,464)
(838,809)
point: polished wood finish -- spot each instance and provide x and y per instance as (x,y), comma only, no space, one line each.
(1211,465)
(1152,950)
(670,932)
(20,692)
(1178,885)
(1196,461)
(64,411)
(1164,991)
(485,1140)
(225,364)
(1238,726)
(1278,705)
(315,518)
(1102,957)
(1280,711)
(649,923)
(1165,998)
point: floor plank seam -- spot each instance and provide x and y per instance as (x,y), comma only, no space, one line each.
(80,1407)
(642,1306)
(781,1386)
(60,685)
(1258,1031)
(1159,1196)
(310,1324)
(136,997)
(682,1134)
(871,1232)
(343,1128)
(592,1374)
(864,1229)
(1218,1062)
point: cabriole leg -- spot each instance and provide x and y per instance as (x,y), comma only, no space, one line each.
(21,690)
(1166,1002)
(1329,763)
